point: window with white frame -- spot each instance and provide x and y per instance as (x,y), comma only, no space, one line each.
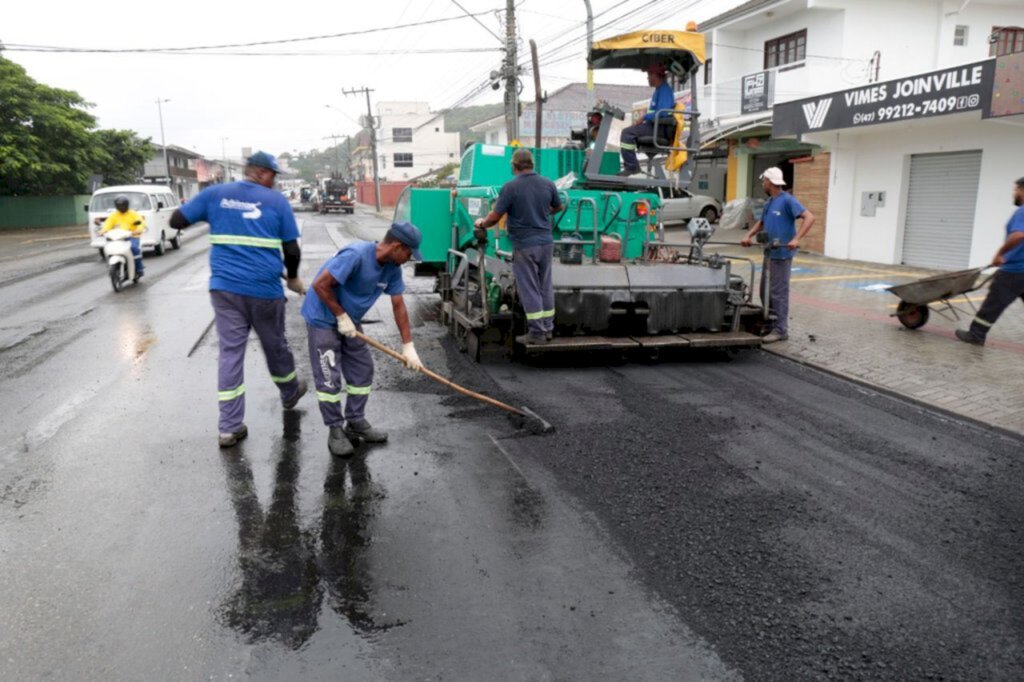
(403,160)
(960,35)
(401,134)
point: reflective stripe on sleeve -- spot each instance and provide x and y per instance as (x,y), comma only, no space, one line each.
(357,390)
(224,396)
(284,379)
(328,397)
(239,240)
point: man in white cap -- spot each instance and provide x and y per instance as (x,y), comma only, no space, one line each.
(778,220)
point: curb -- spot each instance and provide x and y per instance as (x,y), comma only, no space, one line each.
(892,393)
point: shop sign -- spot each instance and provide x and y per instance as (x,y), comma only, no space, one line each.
(758,90)
(949,91)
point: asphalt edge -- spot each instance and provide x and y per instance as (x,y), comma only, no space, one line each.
(892,393)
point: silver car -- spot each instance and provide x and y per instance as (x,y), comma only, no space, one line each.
(679,206)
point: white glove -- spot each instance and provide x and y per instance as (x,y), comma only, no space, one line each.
(412,358)
(295,284)
(346,327)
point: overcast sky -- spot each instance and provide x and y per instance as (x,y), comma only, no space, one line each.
(275,98)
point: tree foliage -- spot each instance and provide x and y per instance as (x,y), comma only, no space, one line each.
(49,144)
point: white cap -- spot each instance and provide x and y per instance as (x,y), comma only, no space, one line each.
(774,176)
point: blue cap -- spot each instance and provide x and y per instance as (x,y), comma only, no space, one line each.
(264,160)
(408,234)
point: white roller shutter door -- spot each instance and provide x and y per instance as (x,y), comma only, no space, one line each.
(941,200)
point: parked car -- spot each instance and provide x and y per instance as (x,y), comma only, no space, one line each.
(155,203)
(679,206)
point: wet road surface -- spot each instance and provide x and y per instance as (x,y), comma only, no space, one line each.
(713,517)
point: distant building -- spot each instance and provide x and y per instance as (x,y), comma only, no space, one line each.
(182,176)
(411,141)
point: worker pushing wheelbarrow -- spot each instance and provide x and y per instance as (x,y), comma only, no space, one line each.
(945,294)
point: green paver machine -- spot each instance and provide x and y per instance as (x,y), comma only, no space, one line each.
(618,283)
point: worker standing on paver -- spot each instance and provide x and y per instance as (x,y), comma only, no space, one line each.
(529,200)
(345,288)
(1008,283)
(778,220)
(251,227)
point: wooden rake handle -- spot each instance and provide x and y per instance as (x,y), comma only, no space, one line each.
(440,379)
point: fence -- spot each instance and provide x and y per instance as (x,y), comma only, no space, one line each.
(43,211)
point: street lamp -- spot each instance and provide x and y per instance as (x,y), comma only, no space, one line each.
(163,143)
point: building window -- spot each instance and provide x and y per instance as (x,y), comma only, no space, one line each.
(401,134)
(707,72)
(960,35)
(1006,40)
(403,160)
(788,49)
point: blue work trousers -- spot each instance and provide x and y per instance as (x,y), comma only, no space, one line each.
(336,358)
(531,266)
(627,143)
(778,301)
(137,253)
(234,316)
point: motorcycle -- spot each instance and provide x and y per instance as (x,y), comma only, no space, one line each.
(120,260)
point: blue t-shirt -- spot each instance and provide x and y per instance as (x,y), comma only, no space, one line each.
(779,219)
(248,224)
(1015,256)
(663,98)
(361,281)
(528,199)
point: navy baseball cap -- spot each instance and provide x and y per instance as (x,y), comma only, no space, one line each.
(408,234)
(264,160)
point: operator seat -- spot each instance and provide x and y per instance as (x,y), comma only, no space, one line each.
(666,137)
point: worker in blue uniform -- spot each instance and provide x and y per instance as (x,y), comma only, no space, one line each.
(661,100)
(253,236)
(345,288)
(529,200)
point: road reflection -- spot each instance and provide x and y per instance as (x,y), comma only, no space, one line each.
(280,595)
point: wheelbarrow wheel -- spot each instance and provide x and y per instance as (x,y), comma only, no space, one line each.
(912,315)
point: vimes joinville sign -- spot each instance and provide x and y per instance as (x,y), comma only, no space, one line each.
(949,91)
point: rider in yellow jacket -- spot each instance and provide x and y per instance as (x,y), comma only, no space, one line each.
(127,220)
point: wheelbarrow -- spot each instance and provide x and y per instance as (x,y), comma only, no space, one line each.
(940,293)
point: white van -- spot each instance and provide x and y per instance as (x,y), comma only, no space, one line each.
(155,203)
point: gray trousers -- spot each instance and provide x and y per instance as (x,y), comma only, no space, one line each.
(778,303)
(334,357)
(531,267)
(1006,287)
(234,316)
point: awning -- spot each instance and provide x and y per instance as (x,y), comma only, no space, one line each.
(641,49)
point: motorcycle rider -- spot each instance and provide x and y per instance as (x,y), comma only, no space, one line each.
(132,222)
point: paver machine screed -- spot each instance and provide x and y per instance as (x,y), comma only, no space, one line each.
(619,284)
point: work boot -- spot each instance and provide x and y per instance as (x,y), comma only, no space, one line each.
(230,440)
(549,335)
(626,172)
(300,391)
(362,429)
(532,339)
(774,337)
(338,444)
(967,337)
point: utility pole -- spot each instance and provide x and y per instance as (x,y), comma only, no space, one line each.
(167,165)
(371,124)
(590,42)
(337,157)
(511,73)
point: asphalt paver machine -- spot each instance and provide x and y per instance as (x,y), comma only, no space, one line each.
(619,284)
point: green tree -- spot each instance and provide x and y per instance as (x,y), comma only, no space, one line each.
(121,155)
(47,145)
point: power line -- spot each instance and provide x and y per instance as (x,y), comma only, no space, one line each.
(381,29)
(308,53)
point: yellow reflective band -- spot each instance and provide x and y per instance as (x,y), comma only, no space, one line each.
(357,390)
(328,397)
(238,240)
(548,313)
(982,322)
(232,394)
(284,379)
(627,145)
(539,315)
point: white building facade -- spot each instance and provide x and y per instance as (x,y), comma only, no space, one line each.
(881,113)
(412,141)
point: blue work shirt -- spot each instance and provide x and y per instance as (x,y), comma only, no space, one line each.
(1015,256)
(248,224)
(663,98)
(527,199)
(779,220)
(361,281)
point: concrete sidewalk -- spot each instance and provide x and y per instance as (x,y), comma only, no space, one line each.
(841,322)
